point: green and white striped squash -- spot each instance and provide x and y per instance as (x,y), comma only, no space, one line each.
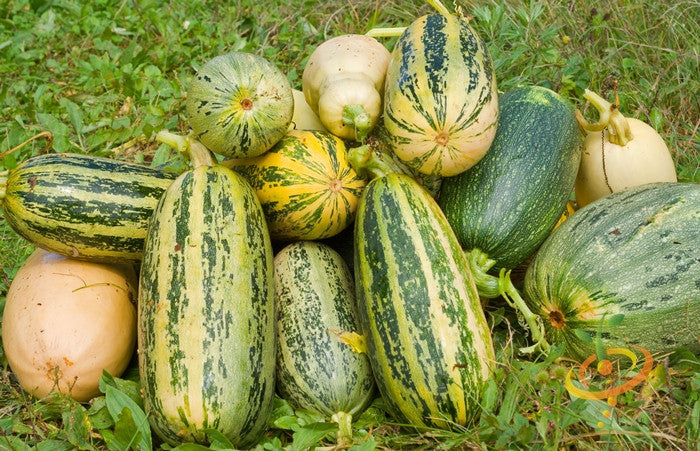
(239,104)
(507,204)
(84,207)
(635,253)
(206,332)
(315,298)
(427,337)
(305,184)
(440,98)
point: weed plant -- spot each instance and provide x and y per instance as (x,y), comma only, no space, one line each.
(104,76)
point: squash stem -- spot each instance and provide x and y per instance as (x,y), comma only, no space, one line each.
(480,264)
(525,315)
(609,116)
(385,32)
(344,421)
(354,115)
(439,7)
(370,164)
(189,146)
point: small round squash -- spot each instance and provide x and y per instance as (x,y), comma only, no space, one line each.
(239,104)
(67,320)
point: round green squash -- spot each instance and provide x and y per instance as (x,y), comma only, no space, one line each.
(239,104)
(624,268)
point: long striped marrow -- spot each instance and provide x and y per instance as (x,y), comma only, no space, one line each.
(206,312)
(426,334)
(81,206)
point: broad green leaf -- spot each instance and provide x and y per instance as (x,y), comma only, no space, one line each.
(310,435)
(75,115)
(217,440)
(127,386)
(583,335)
(99,415)
(131,424)
(76,425)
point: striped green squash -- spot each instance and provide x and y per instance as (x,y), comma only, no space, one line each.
(81,206)
(315,298)
(507,204)
(427,338)
(634,253)
(206,331)
(239,104)
(305,184)
(440,98)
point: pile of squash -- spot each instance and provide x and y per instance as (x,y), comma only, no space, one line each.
(337,243)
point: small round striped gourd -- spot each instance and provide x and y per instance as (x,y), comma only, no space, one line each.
(305,184)
(239,104)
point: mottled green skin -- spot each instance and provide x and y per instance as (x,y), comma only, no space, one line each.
(427,337)
(635,252)
(315,297)
(239,104)
(206,311)
(84,207)
(507,204)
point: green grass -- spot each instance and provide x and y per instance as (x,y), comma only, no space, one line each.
(104,76)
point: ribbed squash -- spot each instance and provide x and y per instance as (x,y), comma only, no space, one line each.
(305,184)
(427,338)
(239,104)
(440,99)
(633,252)
(315,297)
(206,311)
(81,206)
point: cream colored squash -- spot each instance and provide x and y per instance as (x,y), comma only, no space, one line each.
(304,117)
(342,81)
(65,321)
(619,153)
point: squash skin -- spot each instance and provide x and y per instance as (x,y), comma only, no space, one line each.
(440,97)
(239,104)
(427,337)
(82,206)
(306,186)
(632,252)
(507,204)
(206,311)
(69,319)
(315,297)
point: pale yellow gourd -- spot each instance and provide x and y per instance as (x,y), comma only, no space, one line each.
(65,321)
(343,82)
(304,117)
(619,153)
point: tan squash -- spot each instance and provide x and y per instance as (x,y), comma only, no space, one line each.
(65,321)
(343,82)
(304,117)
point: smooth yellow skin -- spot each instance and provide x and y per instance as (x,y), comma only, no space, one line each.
(65,321)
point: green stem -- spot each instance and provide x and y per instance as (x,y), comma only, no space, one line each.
(198,154)
(354,115)
(609,116)
(370,164)
(385,32)
(480,264)
(344,421)
(532,321)
(439,7)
